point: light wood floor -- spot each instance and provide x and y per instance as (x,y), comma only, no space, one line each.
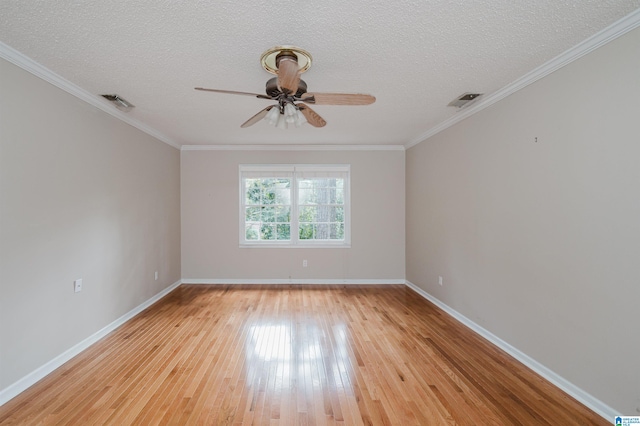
(285,355)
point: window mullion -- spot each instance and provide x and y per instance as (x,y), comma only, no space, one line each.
(294,210)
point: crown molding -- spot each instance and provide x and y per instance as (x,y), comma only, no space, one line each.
(613,31)
(292,148)
(10,54)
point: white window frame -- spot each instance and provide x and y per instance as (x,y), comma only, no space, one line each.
(295,171)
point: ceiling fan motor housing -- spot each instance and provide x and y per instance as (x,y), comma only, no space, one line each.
(273,91)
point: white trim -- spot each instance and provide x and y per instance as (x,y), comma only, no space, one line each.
(40,373)
(29,65)
(312,244)
(292,148)
(30,379)
(599,39)
(583,397)
(330,281)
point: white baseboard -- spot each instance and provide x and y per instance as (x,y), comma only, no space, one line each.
(583,397)
(32,378)
(588,400)
(290,281)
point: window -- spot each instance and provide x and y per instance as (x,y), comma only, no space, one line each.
(294,206)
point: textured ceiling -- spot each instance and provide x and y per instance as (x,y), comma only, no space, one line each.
(414,56)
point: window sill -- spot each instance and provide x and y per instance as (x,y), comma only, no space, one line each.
(323,245)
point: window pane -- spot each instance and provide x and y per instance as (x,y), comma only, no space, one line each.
(268,191)
(268,232)
(305,231)
(306,196)
(268,183)
(322,231)
(283,214)
(283,231)
(268,214)
(283,196)
(321,195)
(253,189)
(252,231)
(324,214)
(307,214)
(337,231)
(252,214)
(268,196)
(305,183)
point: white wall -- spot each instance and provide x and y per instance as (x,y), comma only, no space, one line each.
(210,236)
(82,195)
(539,242)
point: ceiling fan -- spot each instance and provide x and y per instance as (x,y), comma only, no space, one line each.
(290,92)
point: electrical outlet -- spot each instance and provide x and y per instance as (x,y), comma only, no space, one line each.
(440,280)
(304,263)
(156,276)
(77,285)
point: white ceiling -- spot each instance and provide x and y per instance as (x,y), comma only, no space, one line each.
(414,56)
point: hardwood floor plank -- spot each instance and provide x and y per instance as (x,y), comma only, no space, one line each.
(293,354)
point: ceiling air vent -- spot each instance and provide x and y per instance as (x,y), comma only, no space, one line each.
(464,99)
(120,103)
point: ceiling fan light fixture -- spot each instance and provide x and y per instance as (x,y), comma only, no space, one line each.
(272,115)
(282,122)
(290,113)
(290,116)
(300,118)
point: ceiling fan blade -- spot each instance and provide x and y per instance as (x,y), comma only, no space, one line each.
(312,117)
(337,99)
(259,116)
(288,75)
(232,92)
